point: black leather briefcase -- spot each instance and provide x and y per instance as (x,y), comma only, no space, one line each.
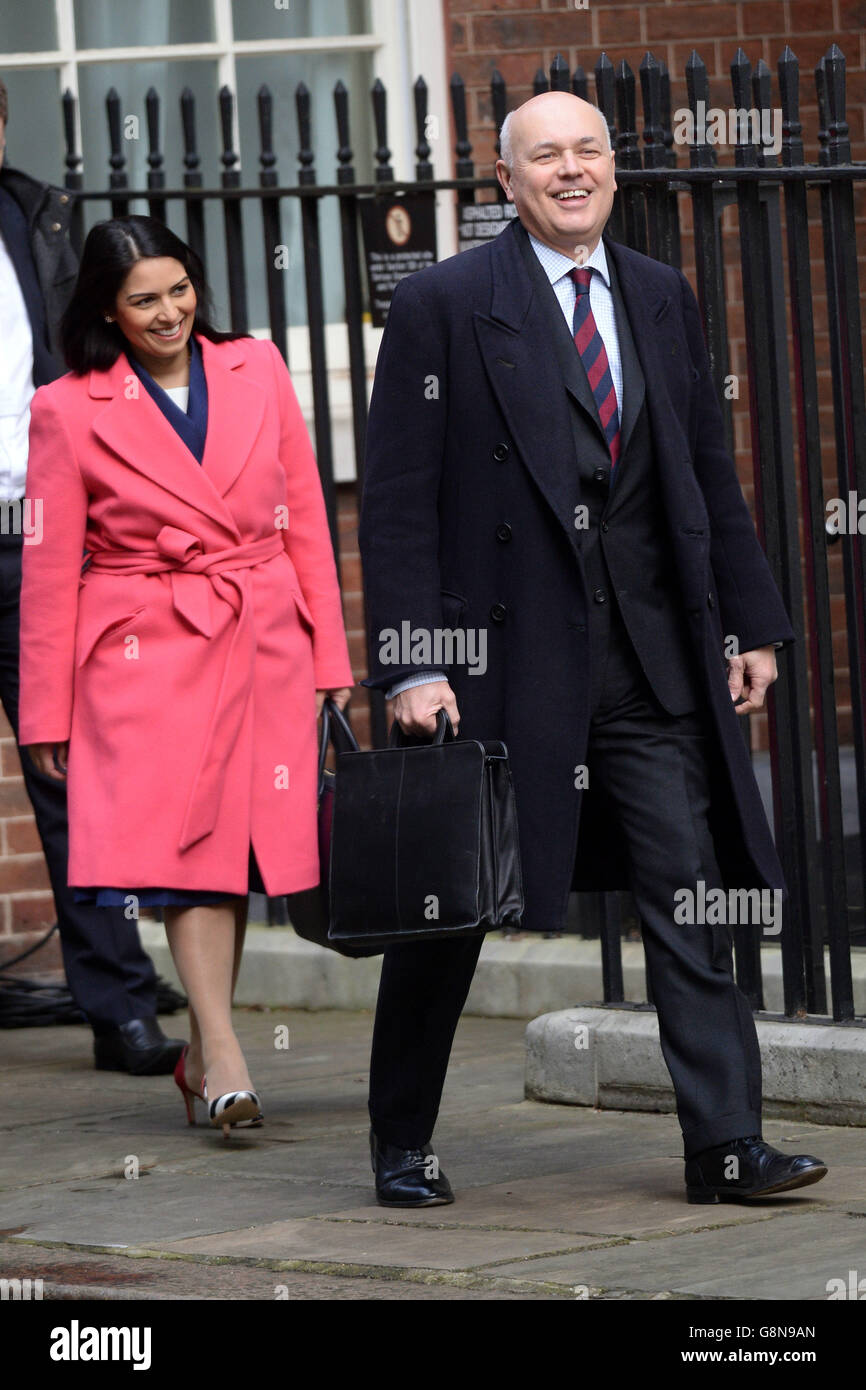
(424,841)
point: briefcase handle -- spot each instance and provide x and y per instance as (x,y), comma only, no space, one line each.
(336,729)
(397,738)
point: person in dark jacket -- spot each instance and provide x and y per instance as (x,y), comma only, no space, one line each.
(110,977)
(546,465)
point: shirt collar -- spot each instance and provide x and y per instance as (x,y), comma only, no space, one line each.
(556,265)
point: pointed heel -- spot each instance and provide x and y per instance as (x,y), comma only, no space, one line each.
(189,1096)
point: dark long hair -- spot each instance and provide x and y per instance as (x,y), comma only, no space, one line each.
(110,251)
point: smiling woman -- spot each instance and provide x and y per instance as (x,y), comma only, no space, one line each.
(139,288)
(173,678)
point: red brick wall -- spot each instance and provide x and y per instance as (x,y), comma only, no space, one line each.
(517,37)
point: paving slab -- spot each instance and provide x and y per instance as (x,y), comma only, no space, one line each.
(374,1242)
(159,1207)
(791,1257)
(548,1196)
(627,1201)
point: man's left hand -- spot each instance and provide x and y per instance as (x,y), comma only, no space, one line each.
(751,675)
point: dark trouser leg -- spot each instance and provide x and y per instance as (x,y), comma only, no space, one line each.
(422,991)
(110,977)
(654,771)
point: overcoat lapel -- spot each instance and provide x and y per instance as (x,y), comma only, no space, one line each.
(515,344)
(571,366)
(134,427)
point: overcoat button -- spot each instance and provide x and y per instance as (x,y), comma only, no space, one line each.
(498,612)
(64,197)
(503,532)
(600,595)
(55,226)
(605,526)
(600,475)
(501,452)
(711,602)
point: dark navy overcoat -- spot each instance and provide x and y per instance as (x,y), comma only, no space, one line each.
(469,433)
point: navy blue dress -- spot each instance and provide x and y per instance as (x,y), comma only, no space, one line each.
(191,425)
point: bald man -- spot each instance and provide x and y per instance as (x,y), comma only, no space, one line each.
(546,470)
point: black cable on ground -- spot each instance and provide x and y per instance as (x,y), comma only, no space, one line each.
(34,1004)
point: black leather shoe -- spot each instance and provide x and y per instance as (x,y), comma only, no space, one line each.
(168,999)
(139,1047)
(745,1168)
(408,1177)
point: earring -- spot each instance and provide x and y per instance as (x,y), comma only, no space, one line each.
(109,319)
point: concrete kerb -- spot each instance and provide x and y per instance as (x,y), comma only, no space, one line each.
(610,1058)
(518,977)
(812,1070)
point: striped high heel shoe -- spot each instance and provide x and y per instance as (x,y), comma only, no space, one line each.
(234,1110)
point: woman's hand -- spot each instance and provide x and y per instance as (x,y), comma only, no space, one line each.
(340,698)
(42,754)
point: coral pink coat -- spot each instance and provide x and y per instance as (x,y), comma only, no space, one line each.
(182,663)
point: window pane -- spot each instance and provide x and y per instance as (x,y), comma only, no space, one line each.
(282,73)
(34,133)
(169,80)
(299,19)
(27,28)
(106,24)
(132,80)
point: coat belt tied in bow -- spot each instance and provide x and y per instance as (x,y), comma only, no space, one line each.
(195,572)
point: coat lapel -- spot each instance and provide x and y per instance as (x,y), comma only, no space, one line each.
(515,345)
(634,387)
(236,407)
(647,308)
(134,427)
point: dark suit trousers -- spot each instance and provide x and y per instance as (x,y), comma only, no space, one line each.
(110,977)
(654,771)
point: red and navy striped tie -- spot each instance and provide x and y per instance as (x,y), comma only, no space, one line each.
(590,345)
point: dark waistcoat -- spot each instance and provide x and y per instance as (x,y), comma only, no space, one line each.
(627,558)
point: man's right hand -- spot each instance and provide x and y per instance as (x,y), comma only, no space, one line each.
(415,708)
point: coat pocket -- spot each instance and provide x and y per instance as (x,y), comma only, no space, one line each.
(301,605)
(92,630)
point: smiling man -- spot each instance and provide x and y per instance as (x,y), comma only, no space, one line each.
(567,487)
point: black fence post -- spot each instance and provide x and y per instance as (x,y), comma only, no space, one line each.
(464,167)
(498,103)
(654,157)
(234,232)
(605,100)
(559,75)
(817,586)
(276,251)
(316,313)
(628,157)
(192,178)
(117,159)
(155,171)
(355,330)
(73,178)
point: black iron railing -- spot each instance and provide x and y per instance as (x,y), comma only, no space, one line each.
(825,870)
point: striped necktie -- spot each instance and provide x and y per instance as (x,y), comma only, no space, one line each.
(590,345)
